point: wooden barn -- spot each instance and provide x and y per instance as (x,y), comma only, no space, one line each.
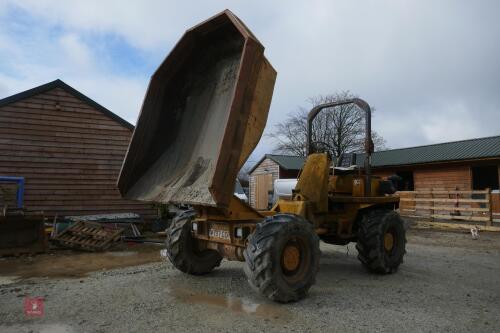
(68,148)
(463,166)
(460,165)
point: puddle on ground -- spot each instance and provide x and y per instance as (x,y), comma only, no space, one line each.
(122,253)
(232,303)
(4,280)
(70,264)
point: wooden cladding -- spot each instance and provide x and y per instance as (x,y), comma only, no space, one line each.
(495,206)
(443,178)
(263,187)
(259,196)
(69,152)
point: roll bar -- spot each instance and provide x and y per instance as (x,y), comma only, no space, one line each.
(368,132)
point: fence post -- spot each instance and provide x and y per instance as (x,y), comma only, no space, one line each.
(432,205)
(488,194)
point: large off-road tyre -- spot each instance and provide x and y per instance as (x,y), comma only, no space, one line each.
(381,241)
(182,249)
(282,258)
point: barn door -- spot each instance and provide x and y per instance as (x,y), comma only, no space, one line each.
(263,185)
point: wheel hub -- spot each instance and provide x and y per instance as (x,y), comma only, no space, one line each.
(291,258)
(388,241)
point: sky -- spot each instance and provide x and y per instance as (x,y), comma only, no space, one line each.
(430,68)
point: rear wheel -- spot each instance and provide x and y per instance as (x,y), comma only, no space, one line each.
(182,249)
(282,258)
(381,241)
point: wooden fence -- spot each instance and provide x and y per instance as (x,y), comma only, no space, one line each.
(472,206)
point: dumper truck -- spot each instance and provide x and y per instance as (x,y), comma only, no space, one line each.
(204,112)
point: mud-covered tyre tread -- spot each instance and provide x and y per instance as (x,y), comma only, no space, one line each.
(370,246)
(262,267)
(179,245)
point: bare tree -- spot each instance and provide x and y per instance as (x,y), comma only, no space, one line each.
(338,130)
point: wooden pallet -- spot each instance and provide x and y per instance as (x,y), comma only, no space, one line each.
(88,236)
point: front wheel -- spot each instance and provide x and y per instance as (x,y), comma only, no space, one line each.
(381,241)
(182,250)
(282,258)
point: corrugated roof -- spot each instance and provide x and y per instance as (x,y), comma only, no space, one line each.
(488,147)
(285,161)
(288,162)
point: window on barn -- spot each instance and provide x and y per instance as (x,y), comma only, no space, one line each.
(484,177)
(406,183)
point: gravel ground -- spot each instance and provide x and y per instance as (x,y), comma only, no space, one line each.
(448,283)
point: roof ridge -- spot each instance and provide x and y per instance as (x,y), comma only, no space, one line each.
(439,143)
(283,155)
(58,83)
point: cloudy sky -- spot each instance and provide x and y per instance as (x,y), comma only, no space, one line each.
(430,68)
